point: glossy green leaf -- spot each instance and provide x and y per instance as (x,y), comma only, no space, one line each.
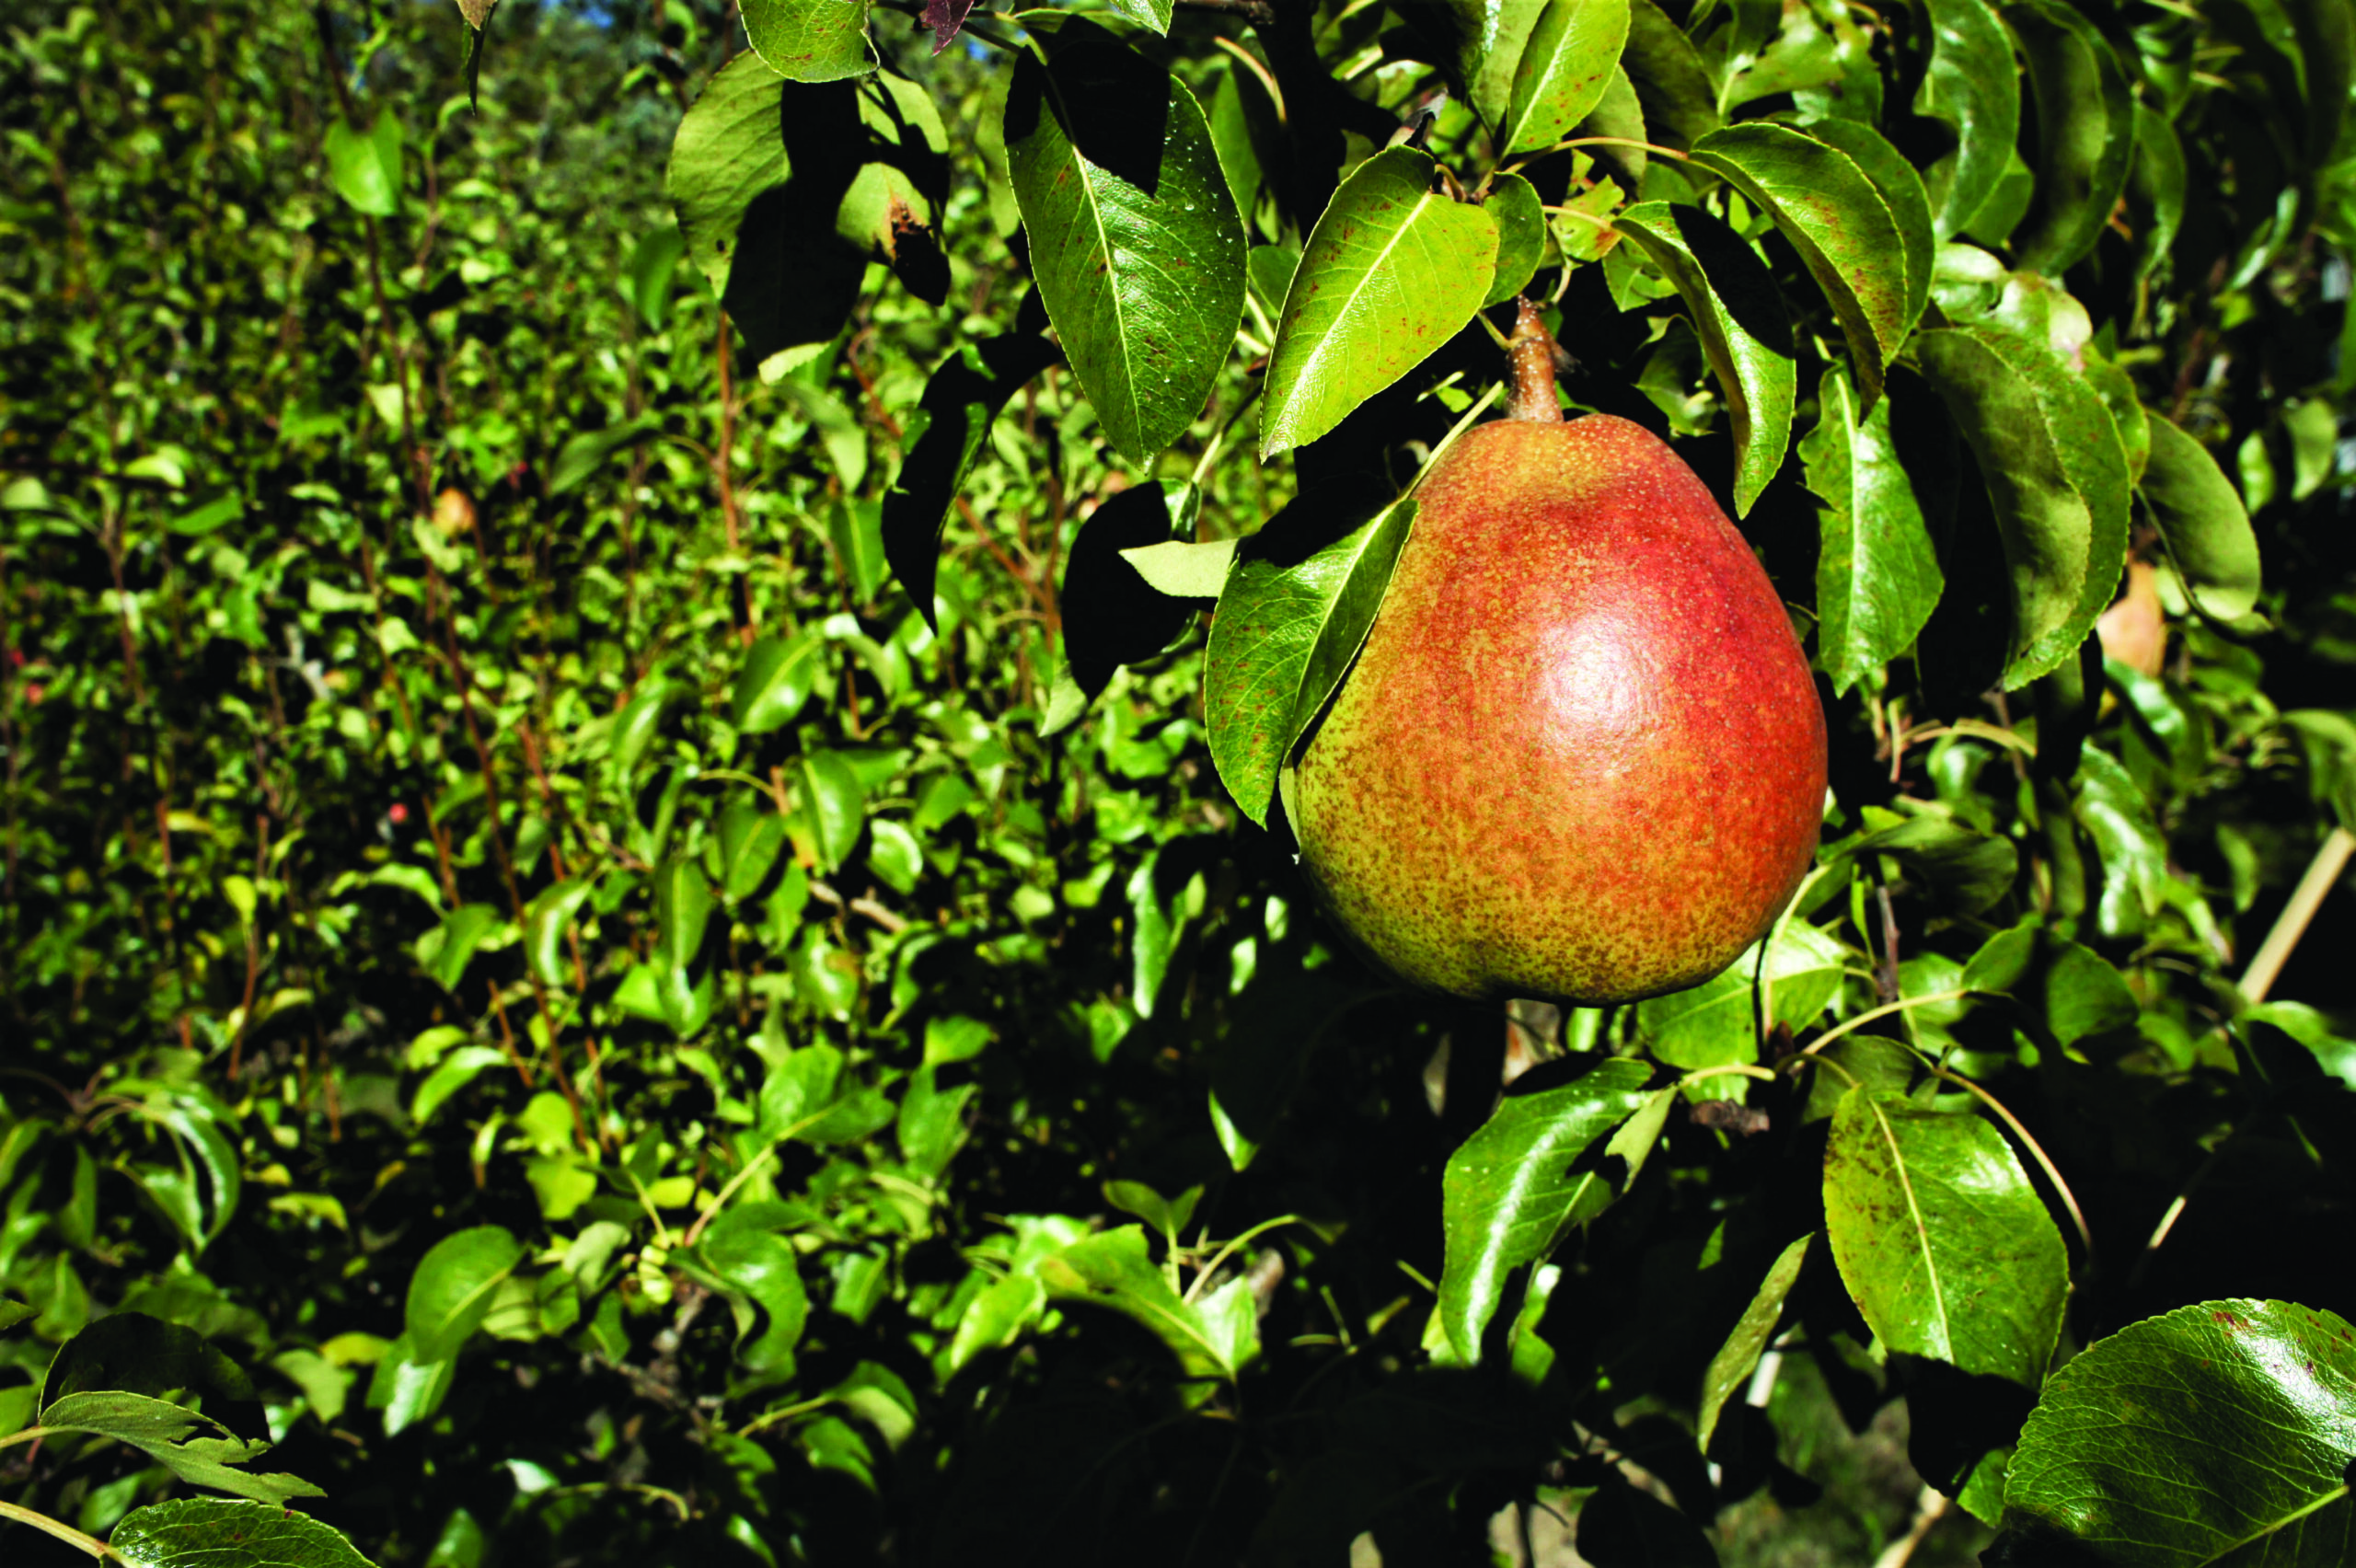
(1973,84)
(2086,118)
(745,1250)
(997,1317)
(1506,1195)
(1945,1246)
(14,1312)
(1113,1270)
(1709,1025)
(1963,869)
(1183,570)
(1392,270)
(1134,240)
(1878,575)
(752,217)
(208,1532)
(1168,1216)
(365,166)
(450,1074)
(443,952)
(1573,49)
(1618,114)
(451,1289)
(1902,190)
(1680,105)
(774,682)
(583,456)
(1488,39)
(831,804)
(2157,181)
(1286,631)
(2056,475)
(752,833)
(2202,522)
(2071,988)
(2134,853)
(546,921)
(2223,1433)
(637,723)
(1731,1368)
(810,41)
(1521,217)
(170,1434)
(1731,298)
(1827,206)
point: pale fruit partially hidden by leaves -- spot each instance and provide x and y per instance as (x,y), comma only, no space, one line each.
(2134,631)
(1580,756)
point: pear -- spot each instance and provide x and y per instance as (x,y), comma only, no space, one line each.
(1580,756)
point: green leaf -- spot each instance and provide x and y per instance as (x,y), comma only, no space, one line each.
(1737,312)
(746,1255)
(1287,626)
(2202,522)
(1963,867)
(443,952)
(1708,1025)
(1169,1215)
(582,456)
(653,262)
(2085,123)
(2118,816)
(1392,270)
(1505,1198)
(1946,1248)
(206,1532)
(1827,206)
(1902,190)
(751,835)
(810,41)
(1731,1368)
(1878,575)
(14,1312)
(1111,1270)
(2057,478)
(167,1433)
(2157,180)
(1680,105)
(2223,1433)
(943,442)
(1489,41)
(450,1074)
(134,1353)
(546,921)
(1184,569)
(365,166)
(752,218)
(450,1293)
(682,910)
(638,723)
(831,807)
(1134,240)
(1973,84)
(997,1317)
(1521,218)
(1573,48)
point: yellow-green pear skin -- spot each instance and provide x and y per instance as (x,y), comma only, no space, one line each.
(1580,756)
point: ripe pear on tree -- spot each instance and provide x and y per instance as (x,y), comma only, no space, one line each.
(1580,756)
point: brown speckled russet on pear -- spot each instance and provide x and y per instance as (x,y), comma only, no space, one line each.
(1580,756)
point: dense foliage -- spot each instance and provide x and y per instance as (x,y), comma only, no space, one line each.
(644,920)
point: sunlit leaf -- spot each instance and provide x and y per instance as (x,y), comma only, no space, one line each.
(1289,621)
(1973,84)
(1506,1197)
(450,1292)
(1878,575)
(1393,268)
(810,41)
(2086,118)
(2221,1433)
(1135,239)
(2056,475)
(212,1533)
(1945,1247)
(1731,1368)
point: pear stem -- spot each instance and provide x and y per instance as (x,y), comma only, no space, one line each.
(1532,351)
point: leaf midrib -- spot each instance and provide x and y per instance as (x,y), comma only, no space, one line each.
(1914,1213)
(1093,207)
(1317,355)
